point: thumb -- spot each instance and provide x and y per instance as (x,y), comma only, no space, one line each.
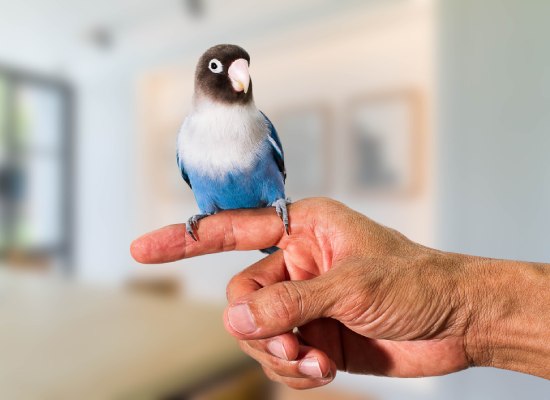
(279,308)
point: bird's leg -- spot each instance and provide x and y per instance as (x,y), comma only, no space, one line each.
(192,223)
(280,207)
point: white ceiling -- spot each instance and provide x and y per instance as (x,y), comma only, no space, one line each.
(54,35)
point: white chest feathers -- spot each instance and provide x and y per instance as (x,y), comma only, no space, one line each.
(215,138)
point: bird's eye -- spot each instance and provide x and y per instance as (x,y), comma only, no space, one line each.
(215,66)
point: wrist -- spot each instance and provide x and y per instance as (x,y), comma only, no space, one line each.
(508,318)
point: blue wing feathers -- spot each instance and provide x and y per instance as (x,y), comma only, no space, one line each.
(182,170)
(277,147)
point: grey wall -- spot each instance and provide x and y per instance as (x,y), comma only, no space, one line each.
(494,145)
(494,150)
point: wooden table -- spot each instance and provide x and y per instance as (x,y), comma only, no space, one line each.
(60,340)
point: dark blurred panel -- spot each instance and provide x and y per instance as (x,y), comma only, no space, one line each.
(34,162)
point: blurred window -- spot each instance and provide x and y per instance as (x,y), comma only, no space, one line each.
(35,203)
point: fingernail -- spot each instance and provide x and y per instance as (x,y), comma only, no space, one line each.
(310,367)
(277,349)
(241,319)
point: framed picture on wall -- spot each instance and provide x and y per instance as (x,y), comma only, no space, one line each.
(386,143)
(304,134)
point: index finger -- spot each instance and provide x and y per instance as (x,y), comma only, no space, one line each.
(251,229)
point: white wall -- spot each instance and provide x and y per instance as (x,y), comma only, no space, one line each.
(105,167)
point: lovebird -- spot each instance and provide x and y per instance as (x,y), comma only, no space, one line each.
(228,151)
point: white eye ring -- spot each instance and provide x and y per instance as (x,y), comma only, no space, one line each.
(215,66)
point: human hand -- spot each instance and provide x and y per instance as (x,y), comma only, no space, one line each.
(365,298)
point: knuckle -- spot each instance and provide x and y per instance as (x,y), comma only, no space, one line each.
(281,367)
(229,241)
(287,302)
(270,374)
(230,285)
(302,384)
(247,348)
(323,202)
(243,344)
(234,280)
(256,345)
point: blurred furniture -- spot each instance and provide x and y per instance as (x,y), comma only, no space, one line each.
(61,340)
(36,118)
(322,393)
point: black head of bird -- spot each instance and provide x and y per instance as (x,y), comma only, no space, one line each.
(222,75)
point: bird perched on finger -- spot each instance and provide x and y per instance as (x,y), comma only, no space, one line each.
(228,151)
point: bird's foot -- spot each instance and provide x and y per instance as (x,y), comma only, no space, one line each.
(192,223)
(282,212)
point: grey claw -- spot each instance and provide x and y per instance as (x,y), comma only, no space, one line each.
(280,208)
(189,226)
(193,223)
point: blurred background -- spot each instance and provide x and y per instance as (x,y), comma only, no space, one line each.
(428,116)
